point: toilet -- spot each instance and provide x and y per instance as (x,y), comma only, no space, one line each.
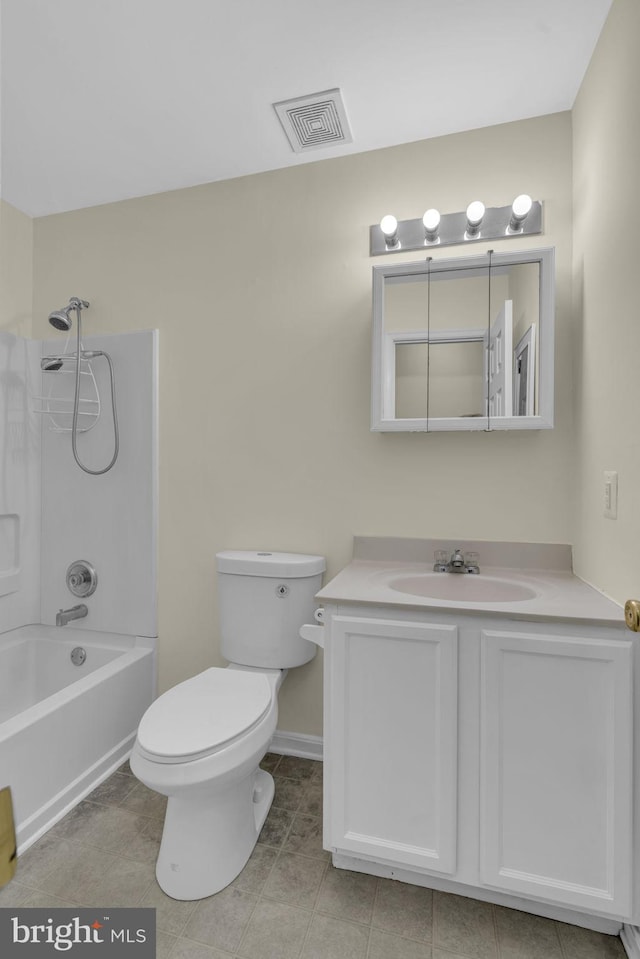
(202,741)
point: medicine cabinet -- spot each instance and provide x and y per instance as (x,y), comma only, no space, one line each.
(464,343)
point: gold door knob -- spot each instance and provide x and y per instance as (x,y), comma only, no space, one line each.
(8,857)
(632,614)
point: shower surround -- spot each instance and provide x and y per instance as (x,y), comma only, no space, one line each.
(110,520)
(51,515)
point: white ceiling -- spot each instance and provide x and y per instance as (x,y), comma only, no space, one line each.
(108,99)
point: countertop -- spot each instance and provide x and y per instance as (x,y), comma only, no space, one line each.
(559,594)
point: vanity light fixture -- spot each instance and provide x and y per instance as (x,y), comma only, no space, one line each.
(389,229)
(476,224)
(431,223)
(475,215)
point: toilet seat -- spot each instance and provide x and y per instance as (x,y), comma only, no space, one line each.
(202,715)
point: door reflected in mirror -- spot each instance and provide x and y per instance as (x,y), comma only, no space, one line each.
(464,343)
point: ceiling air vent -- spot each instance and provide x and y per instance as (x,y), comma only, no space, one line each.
(318,120)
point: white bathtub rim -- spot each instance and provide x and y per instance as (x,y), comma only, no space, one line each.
(37,711)
(46,706)
(72,632)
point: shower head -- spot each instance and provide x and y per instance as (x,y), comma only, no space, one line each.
(50,364)
(61,319)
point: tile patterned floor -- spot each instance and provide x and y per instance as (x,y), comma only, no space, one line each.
(288,903)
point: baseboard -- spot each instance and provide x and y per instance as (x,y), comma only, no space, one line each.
(296,744)
(630,936)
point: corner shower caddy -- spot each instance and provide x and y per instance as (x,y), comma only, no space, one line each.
(55,404)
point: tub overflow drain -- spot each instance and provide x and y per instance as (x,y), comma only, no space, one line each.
(78,656)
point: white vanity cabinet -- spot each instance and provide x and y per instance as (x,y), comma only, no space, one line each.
(393,736)
(486,752)
(556,761)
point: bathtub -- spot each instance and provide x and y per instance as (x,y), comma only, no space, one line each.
(65,728)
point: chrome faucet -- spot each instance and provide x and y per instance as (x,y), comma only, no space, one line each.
(458,562)
(65,616)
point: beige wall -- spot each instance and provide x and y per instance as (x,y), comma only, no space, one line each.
(261,290)
(606,147)
(16,270)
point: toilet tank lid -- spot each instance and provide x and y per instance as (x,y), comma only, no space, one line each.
(265,563)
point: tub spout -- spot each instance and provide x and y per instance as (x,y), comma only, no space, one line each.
(65,616)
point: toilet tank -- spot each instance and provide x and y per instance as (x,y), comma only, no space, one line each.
(263,600)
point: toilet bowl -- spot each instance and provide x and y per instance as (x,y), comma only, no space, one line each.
(201,743)
(207,763)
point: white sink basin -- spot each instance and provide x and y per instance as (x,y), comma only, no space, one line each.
(462,587)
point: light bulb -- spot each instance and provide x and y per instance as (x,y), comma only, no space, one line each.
(520,209)
(521,206)
(389,227)
(475,212)
(431,223)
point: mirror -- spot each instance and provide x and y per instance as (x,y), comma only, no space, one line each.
(464,344)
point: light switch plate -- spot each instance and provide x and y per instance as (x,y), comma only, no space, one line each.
(611,494)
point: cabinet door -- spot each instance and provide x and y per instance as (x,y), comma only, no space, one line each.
(556,768)
(392,714)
